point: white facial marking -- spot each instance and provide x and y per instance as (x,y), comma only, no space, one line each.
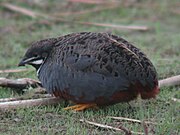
(30,59)
(37,62)
(38,71)
(40,67)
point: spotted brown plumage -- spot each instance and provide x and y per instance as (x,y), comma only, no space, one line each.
(92,68)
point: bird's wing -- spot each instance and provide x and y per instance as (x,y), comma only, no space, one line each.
(100,53)
(149,70)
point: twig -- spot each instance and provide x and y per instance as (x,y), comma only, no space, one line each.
(132,120)
(29,103)
(126,27)
(171,81)
(130,27)
(9,99)
(97,9)
(22,98)
(110,127)
(93,1)
(13,70)
(20,10)
(19,83)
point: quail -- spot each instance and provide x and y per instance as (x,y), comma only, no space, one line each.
(92,69)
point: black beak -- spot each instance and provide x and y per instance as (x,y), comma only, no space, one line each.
(26,60)
(22,62)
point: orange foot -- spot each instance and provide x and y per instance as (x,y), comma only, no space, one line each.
(80,107)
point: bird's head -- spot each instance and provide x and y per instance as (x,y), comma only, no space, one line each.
(37,53)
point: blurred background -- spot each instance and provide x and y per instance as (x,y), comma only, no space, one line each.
(151,25)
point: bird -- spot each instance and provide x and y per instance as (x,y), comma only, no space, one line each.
(92,69)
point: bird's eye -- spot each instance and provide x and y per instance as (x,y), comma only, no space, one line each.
(35,55)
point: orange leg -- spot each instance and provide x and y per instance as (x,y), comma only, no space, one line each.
(81,107)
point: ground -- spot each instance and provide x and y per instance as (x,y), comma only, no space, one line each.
(161,44)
